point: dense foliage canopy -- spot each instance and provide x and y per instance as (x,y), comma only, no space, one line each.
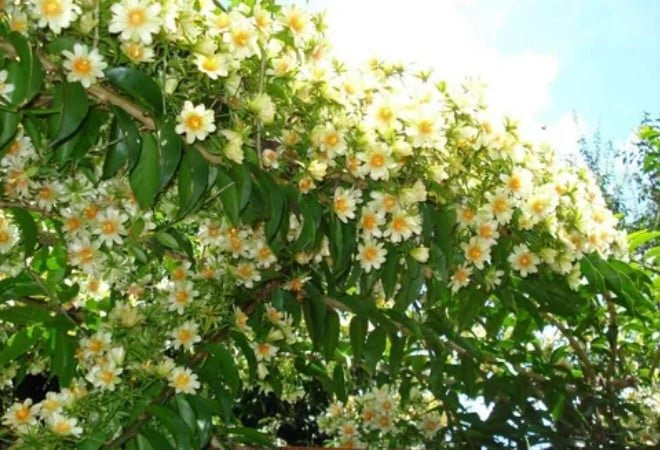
(213,231)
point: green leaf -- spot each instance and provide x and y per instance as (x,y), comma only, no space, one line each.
(244,345)
(167,240)
(24,315)
(187,414)
(275,200)
(330,336)
(229,196)
(311,212)
(145,177)
(126,145)
(390,274)
(640,238)
(28,77)
(339,382)
(358,331)
(314,313)
(29,231)
(398,344)
(174,424)
(374,348)
(227,366)
(8,125)
(170,146)
(139,86)
(157,440)
(243,179)
(19,343)
(193,180)
(63,361)
(251,436)
(59,44)
(204,413)
(72,98)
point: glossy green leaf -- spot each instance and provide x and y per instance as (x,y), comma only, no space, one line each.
(29,231)
(275,200)
(19,343)
(174,424)
(139,86)
(27,73)
(187,414)
(145,177)
(244,345)
(339,382)
(8,125)
(157,440)
(126,143)
(193,180)
(251,436)
(170,146)
(25,315)
(243,179)
(228,368)
(229,196)
(63,361)
(358,332)
(398,344)
(72,98)
(374,348)
(330,336)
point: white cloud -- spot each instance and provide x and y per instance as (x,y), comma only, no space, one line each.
(456,38)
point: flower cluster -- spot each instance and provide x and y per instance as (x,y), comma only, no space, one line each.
(376,152)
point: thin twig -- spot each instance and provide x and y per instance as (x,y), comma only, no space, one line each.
(576,346)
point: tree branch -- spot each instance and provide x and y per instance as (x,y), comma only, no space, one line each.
(576,345)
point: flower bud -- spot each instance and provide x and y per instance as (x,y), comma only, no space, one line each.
(420,254)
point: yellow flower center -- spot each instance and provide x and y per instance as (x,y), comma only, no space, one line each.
(377,160)
(18,25)
(369,222)
(108,227)
(182,296)
(22,414)
(194,121)
(331,140)
(384,421)
(369,254)
(399,224)
(245,271)
(50,405)
(51,8)
(210,64)
(136,17)
(263,349)
(367,416)
(81,66)
(182,380)
(93,285)
(460,276)
(538,206)
(385,114)
(500,205)
(262,20)
(485,231)
(474,253)
(184,335)
(15,146)
(264,252)
(515,183)
(86,254)
(95,346)
(524,260)
(72,223)
(4,237)
(240,38)
(107,376)
(62,427)
(340,205)
(430,425)
(296,22)
(222,21)
(179,274)
(135,51)
(389,202)
(425,127)
(467,214)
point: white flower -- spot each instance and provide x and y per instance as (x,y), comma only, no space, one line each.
(377,161)
(370,221)
(477,251)
(371,255)
(136,20)
(138,52)
(523,260)
(344,203)
(83,65)
(519,182)
(196,122)
(106,377)
(420,254)
(487,229)
(64,426)
(186,335)
(8,236)
(431,423)
(234,147)
(48,194)
(318,169)
(460,278)
(402,226)
(263,107)
(21,416)
(264,351)
(414,194)
(53,403)
(5,88)
(383,201)
(241,38)
(214,66)
(182,296)
(329,140)
(55,14)
(500,205)
(96,344)
(18,20)
(84,253)
(110,226)
(247,274)
(297,22)
(425,129)
(183,380)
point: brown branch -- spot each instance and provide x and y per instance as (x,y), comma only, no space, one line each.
(577,347)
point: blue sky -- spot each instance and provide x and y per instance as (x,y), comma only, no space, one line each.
(543,59)
(608,53)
